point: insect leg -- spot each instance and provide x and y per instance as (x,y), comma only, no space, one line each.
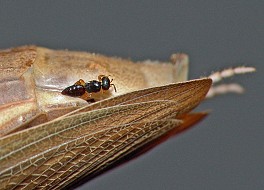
(80,82)
(86,96)
(100,77)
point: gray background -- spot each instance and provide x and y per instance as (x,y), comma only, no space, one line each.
(225,151)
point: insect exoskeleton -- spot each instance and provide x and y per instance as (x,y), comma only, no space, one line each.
(94,86)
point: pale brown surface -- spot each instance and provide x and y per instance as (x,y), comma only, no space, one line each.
(225,151)
(33,77)
(53,155)
(84,139)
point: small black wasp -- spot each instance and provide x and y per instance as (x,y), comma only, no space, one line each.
(94,86)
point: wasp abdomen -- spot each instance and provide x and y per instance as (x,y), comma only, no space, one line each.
(74,90)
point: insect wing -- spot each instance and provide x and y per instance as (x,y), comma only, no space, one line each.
(59,152)
(180,92)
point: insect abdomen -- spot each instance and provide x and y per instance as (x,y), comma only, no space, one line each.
(74,90)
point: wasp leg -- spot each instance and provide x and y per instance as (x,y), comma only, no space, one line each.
(100,77)
(80,82)
(86,96)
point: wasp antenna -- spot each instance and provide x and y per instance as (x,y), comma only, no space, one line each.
(113,86)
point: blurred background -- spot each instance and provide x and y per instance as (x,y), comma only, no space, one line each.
(226,150)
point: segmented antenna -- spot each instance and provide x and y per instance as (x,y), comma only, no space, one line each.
(227,88)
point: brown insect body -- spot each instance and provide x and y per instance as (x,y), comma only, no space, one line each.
(70,139)
(112,129)
(32,79)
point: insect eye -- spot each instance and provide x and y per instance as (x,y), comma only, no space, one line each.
(105,83)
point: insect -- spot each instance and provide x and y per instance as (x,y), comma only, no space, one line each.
(82,89)
(52,141)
